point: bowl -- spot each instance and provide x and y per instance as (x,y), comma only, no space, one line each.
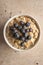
(4,32)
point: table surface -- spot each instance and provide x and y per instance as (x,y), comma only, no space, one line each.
(9,8)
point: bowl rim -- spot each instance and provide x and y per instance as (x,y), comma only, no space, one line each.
(4,34)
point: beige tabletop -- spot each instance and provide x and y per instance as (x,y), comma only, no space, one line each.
(9,8)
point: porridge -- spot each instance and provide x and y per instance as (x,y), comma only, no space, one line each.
(22,32)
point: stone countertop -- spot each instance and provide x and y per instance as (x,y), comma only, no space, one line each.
(9,8)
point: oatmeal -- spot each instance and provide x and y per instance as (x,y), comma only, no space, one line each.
(22,32)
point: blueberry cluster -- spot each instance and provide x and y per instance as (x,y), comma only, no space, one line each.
(25,36)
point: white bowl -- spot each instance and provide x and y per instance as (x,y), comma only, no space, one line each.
(4,31)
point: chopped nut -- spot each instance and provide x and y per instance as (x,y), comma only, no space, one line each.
(16,45)
(27,45)
(33,40)
(31,34)
(36,35)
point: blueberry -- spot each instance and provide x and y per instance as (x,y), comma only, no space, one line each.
(28,37)
(22,38)
(23,30)
(24,27)
(11,28)
(27,30)
(16,35)
(22,44)
(30,30)
(26,40)
(25,35)
(19,27)
(15,25)
(15,31)
(27,24)
(21,22)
